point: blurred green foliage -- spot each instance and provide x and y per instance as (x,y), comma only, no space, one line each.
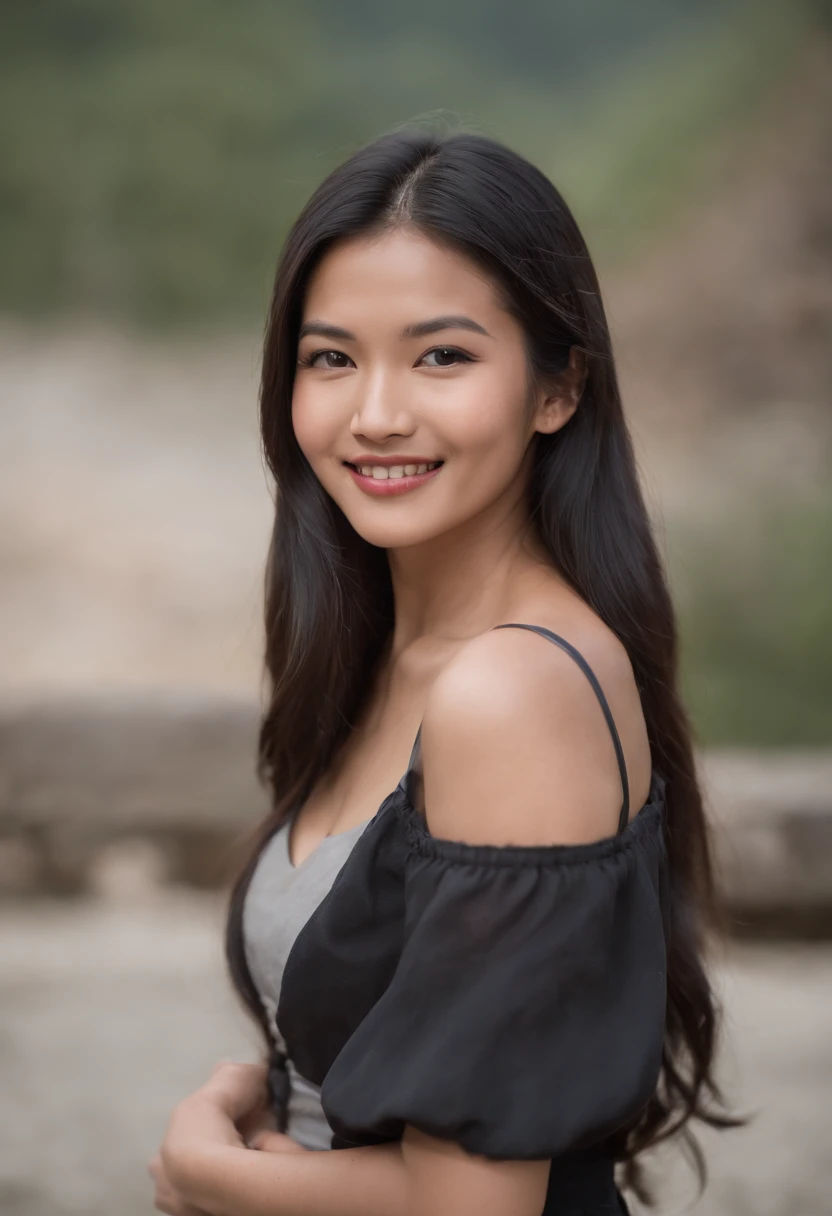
(153,155)
(755,606)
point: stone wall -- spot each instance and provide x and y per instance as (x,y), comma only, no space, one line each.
(162,784)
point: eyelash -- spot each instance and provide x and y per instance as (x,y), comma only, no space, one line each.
(309,360)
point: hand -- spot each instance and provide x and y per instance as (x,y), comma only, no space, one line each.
(199,1124)
(166,1197)
(232,1109)
(259,1131)
(267,1140)
(239,1090)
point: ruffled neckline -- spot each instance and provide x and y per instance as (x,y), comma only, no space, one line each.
(648,820)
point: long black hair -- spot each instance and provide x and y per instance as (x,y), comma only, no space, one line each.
(329,601)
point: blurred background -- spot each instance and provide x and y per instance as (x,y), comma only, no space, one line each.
(152,158)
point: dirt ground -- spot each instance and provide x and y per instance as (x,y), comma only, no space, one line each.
(112,1011)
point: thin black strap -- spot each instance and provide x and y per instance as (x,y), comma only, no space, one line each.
(414,749)
(590,675)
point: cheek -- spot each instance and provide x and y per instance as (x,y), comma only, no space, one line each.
(487,422)
(314,425)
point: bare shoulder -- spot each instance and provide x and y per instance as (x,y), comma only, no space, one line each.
(515,745)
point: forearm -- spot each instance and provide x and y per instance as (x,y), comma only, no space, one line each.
(231,1181)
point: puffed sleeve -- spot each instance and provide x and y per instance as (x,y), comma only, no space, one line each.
(525,1017)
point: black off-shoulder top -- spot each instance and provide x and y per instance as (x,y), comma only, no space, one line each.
(508,998)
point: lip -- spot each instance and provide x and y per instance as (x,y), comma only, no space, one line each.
(389,461)
(382,487)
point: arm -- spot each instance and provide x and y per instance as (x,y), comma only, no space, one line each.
(206,1168)
(515,751)
(421,1176)
(209,1173)
(229,1181)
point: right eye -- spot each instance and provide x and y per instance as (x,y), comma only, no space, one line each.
(311,360)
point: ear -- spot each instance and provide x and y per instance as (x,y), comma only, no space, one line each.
(557,405)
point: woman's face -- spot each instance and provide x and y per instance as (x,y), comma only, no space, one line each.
(406,358)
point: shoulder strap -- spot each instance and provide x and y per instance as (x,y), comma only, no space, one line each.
(590,675)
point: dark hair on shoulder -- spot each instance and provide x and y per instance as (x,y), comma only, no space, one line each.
(329,602)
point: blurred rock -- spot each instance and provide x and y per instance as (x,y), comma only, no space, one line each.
(174,772)
(21,870)
(119,794)
(772,827)
(128,871)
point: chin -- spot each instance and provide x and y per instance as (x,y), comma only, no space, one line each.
(393,536)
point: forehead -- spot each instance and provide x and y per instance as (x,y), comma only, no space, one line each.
(397,273)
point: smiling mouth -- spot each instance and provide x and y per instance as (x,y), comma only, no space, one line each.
(394,472)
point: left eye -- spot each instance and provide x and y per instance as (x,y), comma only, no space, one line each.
(446,352)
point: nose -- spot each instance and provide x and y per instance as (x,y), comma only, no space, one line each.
(382,408)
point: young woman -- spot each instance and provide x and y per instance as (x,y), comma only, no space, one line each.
(490,992)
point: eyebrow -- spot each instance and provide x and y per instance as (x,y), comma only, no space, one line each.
(418,330)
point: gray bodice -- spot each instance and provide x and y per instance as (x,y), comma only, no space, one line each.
(280,899)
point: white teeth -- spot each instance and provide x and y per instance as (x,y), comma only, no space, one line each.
(380,472)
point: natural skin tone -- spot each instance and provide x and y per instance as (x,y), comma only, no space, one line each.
(515,748)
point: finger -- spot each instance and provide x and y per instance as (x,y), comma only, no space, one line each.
(220,1065)
(240,1088)
(275,1142)
(165,1197)
(241,1066)
(261,1119)
(228,1075)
